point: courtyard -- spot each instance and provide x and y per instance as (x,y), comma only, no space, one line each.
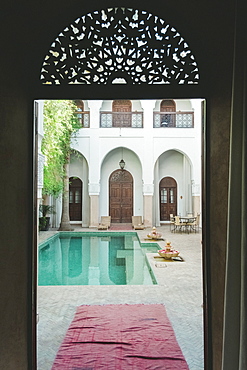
(179,289)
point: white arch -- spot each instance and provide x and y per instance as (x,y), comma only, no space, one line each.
(176,164)
(109,164)
(79,168)
(121,151)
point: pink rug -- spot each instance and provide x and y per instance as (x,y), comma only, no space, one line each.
(121,227)
(120,337)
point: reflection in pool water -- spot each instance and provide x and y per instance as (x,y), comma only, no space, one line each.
(94,259)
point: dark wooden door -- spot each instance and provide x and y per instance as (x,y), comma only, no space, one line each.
(121,196)
(75,199)
(119,107)
(168,198)
(168,120)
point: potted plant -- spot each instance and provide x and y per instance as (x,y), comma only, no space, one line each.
(44,220)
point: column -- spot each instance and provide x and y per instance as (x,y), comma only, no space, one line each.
(148,204)
(148,163)
(94,205)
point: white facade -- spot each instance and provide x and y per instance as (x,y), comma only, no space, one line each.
(150,154)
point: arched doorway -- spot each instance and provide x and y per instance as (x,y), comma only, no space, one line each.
(121,113)
(75,199)
(121,196)
(168,120)
(168,198)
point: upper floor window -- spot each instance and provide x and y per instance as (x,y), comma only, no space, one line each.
(168,120)
(121,116)
(121,113)
(169,117)
(81,114)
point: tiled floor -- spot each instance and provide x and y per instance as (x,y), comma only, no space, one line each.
(179,289)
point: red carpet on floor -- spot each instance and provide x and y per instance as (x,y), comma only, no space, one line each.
(120,337)
(121,227)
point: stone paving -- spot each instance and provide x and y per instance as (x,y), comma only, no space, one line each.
(179,288)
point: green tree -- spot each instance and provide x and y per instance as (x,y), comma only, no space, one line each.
(60,126)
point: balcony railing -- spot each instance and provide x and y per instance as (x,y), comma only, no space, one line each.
(120,119)
(84,119)
(174,119)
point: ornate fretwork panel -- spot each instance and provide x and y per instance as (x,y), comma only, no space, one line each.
(137,120)
(119,45)
(122,120)
(86,120)
(106,120)
(174,119)
(184,120)
(121,175)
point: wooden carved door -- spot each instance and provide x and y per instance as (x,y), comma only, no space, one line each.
(168,198)
(75,199)
(168,120)
(121,196)
(119,107)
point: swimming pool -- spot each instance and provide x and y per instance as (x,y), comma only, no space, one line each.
(94,258)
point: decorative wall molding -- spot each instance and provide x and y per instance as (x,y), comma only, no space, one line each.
(93,189)
(148,189)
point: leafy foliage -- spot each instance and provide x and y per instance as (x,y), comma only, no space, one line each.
(60,125)
(45,209)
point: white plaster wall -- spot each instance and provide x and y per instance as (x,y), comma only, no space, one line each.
(171,164)
(147,143)
(196,156)
(79,168)
(143,148)
(38,119)
(107,105)
(110,164)
(181,105)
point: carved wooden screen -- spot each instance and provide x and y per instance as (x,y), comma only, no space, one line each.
(121,113)
(121,196)
(119,45)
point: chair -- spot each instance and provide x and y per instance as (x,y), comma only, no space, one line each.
(195,224)
(172,220)
(105,223)
(137,223)
(178,224)
(192,225)
(198,221)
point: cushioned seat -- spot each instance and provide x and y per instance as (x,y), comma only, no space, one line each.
(137,223)
(105,223)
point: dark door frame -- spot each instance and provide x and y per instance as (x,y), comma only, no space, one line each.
(72,92)
(168,182)
(75,204)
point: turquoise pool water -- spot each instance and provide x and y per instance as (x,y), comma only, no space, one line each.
(88,258)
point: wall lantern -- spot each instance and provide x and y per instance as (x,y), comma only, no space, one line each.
(122,164)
